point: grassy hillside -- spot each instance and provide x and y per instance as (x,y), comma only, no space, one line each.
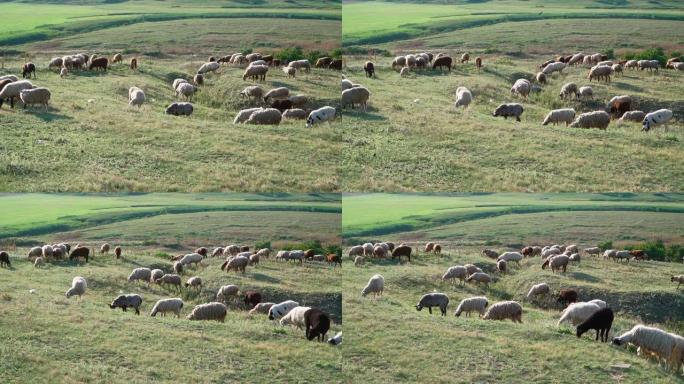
(43,20)
(489,351)
(123,347)
(113,147)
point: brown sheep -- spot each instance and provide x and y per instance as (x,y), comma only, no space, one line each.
(478,63)
(437,249)
(490,253)
(465,58)
(379,251)
(402,250)
(336,64)
(252,298)
(4,259)
(202,251)
(134,64)
(117,58)
(309,254)
(334,259)
(198,79)
(99,63)
(567,296)
(244,248)
(443,61)
(429,246)
(27,69)
(117,252)
(80,252)
(323,62)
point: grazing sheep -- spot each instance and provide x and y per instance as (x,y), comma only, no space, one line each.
(80,252)
(456,272)
(279,310)
(437,249)
(663,345)
(471,304)
(35,96)
(501,266)
(301,64)
(265,116)
(280,93)
(505,310)
(264,252)
(244,114)
(63,72)
(575,257)
(659,117)
(295,317)
(632,116)
(334,259)
(320,115)
(577,58)
(39,262)
(194,282)
(553,67)
(255,72)
(404,72)
(99,63)
(117,58)
(609,253)
(227,291)
(47,251)
(125,301)
(261,308)
(293,114)
(4,259)
(399,61)
(211,66)
(143,274)
(346,84)
(251,299)
(369,68)
(577,313)
(27,69)
(521,87)
(359,261)
(586,92)
(568,90)
(679,279)
(480,277)
(402,250)
(434,300)
(648,64)
(238,263)
(104,249)
(133,64)
(198,79)
(379,252)
(471,268)
(375,285)
(490,253)
(187,90)
(541,289)
(511,256)
(316,324)
(78,287)
(410,61)
(253,259)
(209,311)
(177,82)
(191,258)
(463,97)
(566,115)
(179,109)
(567,296)
(155,274)
(254,91)
(601,321)
(540,77)
(171,279)
(509,110)
(617,68)
(618,105)
(136,96)
(178,267)
(55,62)
(592,250)
(465,58)
(13,90)
(600,72)
(596,119)
(441,62)
(478,63)
(556,263)
(356,95)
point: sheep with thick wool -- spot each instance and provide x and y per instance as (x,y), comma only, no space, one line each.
(632,116)
(125,301)
(78,287)
(255,72)
(565,115)
(568,90)
(356,95)
(155,274)
(376,286)
(295,317)
(279,310)
(505,310)
(463,97)
(472,304)
(227,291)
(480,277)
(244,115)
(600,72)
(515,257)
(576,313)
(179,109)
(170,279)
(586,92)
(136,97)
(434,299)
(211,66)
(556,263)
(595,119)
(659,117)
(253,91)
(13,90)
(33,96)
(191,258)
(320,115)
(238,263)
(456,272)
(265,116)
(521,87)
(162,306)
(261,308)
(541,289)
(209,311)
(554,67)
(143,274)
(187,90)
(664,345)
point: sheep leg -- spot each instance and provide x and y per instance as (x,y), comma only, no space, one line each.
(430,309)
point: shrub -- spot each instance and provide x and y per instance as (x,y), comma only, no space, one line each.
(649,54)
(657,250)
(290,54)
(605,245)
(262,244)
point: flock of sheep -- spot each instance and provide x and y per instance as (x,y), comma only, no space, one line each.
(590,315)
(279,103)
(314,321)
(620,107)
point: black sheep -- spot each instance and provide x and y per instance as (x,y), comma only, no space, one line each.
(281,105)
(369,68)
(27,69)
(601,321)
(402,250)
(317,324)
(4,259)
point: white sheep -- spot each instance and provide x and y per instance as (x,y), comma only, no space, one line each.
(553,67)
(456,272)
(136,96)
(195,282)
(557,263)
(254,91)
(659,117)
(39,262)
(505,310)
(480,277)
(256,72)
(511,256)
(521,87)
(261,308)
(601,304)
(586,92)
(600,72)
(595,119)
(155,274)
(243,115)
(238,263)
(143,274)
(78,287)
(301,64)
(320,115)
(227,291)
(191,258)
(186,89)
(404,71)
(47,251)
(632,116)
(211,66)
(565,115)
(13,90)
(346,84)
(356,95)
(209,311)
(541,289)
(295,317)
(663,345)
(463,97)
(162,306)
(279,310)
(290,71)
(359,261)
(376,286)
(471,268)
(294,114)
(265,116)
(577,313)
(177,82)
(280,93)
(478,304)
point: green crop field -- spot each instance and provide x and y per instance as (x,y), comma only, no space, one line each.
(92,138)
(469,349)
(412,138)
(49,338)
